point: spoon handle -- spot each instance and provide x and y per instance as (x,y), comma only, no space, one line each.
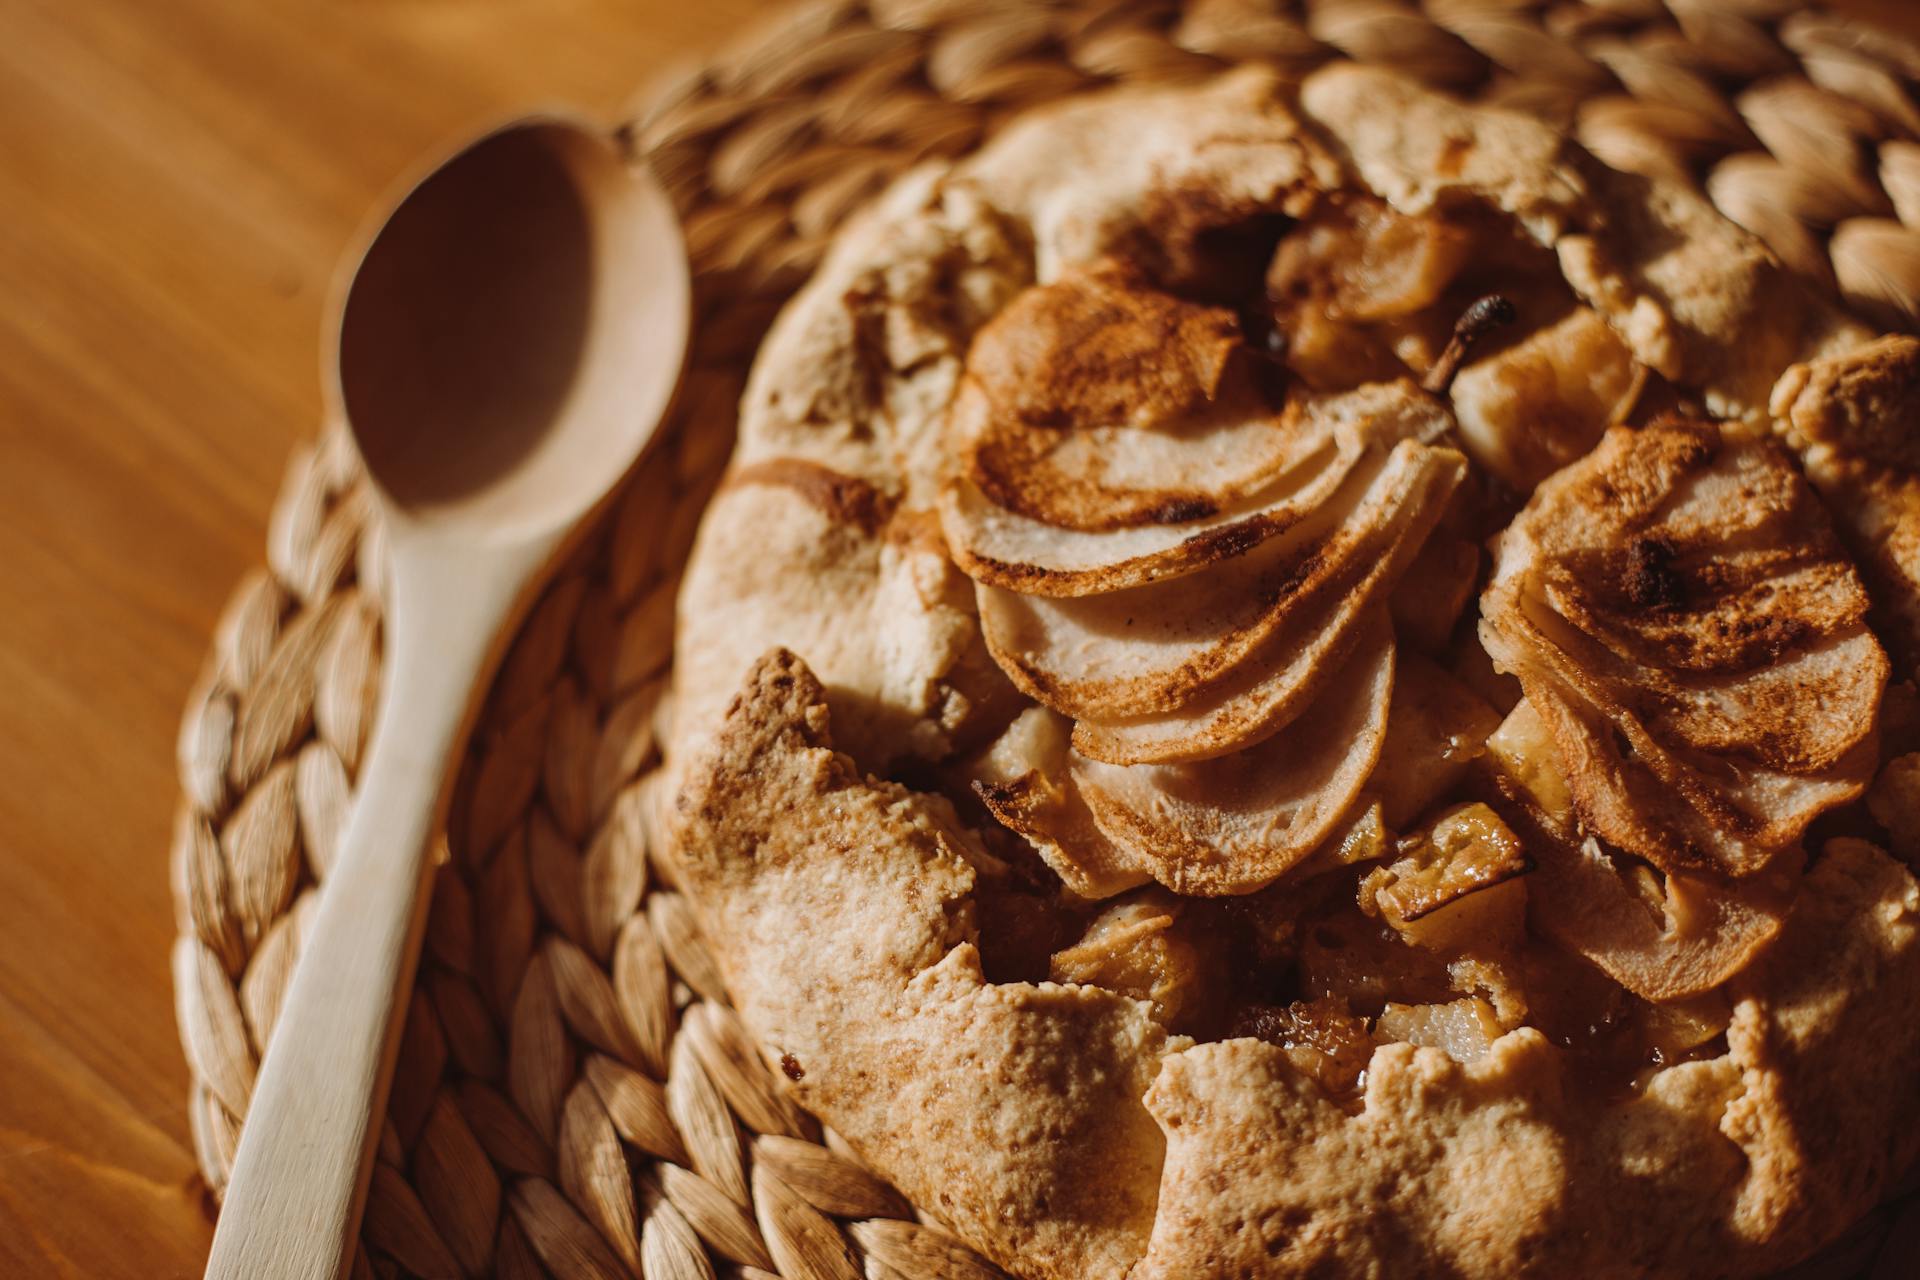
(292,1208)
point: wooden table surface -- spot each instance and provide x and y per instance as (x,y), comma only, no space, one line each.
(177,178)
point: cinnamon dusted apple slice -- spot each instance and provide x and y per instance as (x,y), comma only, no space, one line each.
(1261,695)
(1688,812)
(1003,549)
(1154,647)
(1683,618)
(1233,824)
(1731,711)
(1329,436)
(1097,402)
(1664,939)
(1161,646)
(1682,810)
(1023,780)
(1696,772)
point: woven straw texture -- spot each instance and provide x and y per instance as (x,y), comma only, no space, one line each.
(574,1097)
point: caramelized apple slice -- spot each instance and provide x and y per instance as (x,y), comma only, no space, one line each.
(1024,782)
(1006,549)
(1234,824)
(1098,346)
(1691,938)
(1154,647)
(1685,623)
(1269,689)
(1522,750)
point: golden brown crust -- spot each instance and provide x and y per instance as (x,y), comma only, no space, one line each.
(840,499)
(1681,285)
(1864,402)
(840,909)
(1851,416)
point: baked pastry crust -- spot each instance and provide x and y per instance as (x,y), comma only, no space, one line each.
(1021,1114)
(1062,1128)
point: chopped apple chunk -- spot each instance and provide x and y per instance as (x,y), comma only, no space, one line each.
(1464,1029)
(1523,750)
(1460,886)
(1139,949)
(1322,1039)
(1544,401)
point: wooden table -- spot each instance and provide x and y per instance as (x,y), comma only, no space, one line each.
(176,181)
(177,178)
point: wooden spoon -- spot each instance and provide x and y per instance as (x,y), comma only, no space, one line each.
(507,347)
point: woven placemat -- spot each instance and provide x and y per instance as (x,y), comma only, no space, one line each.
(574,1096)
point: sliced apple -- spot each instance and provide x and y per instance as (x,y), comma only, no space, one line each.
(1023,780)
(1699,935)
(1100,476)
(1803,711)
(1159,647)
(1681,808)
(1004,548)
(1100,346)
(1234,824)
(1685,623)
(1096,402)
(1663,938)
(1263,693)
(1150,648)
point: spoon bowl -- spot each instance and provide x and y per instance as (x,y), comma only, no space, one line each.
(501,352)
(509,340)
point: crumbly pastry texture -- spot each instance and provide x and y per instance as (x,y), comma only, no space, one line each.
(1300,680)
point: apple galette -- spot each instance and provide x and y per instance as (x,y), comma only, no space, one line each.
(1302,680)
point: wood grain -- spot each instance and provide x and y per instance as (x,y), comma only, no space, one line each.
(176,181)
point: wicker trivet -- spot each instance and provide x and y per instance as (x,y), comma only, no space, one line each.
(574,1096)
